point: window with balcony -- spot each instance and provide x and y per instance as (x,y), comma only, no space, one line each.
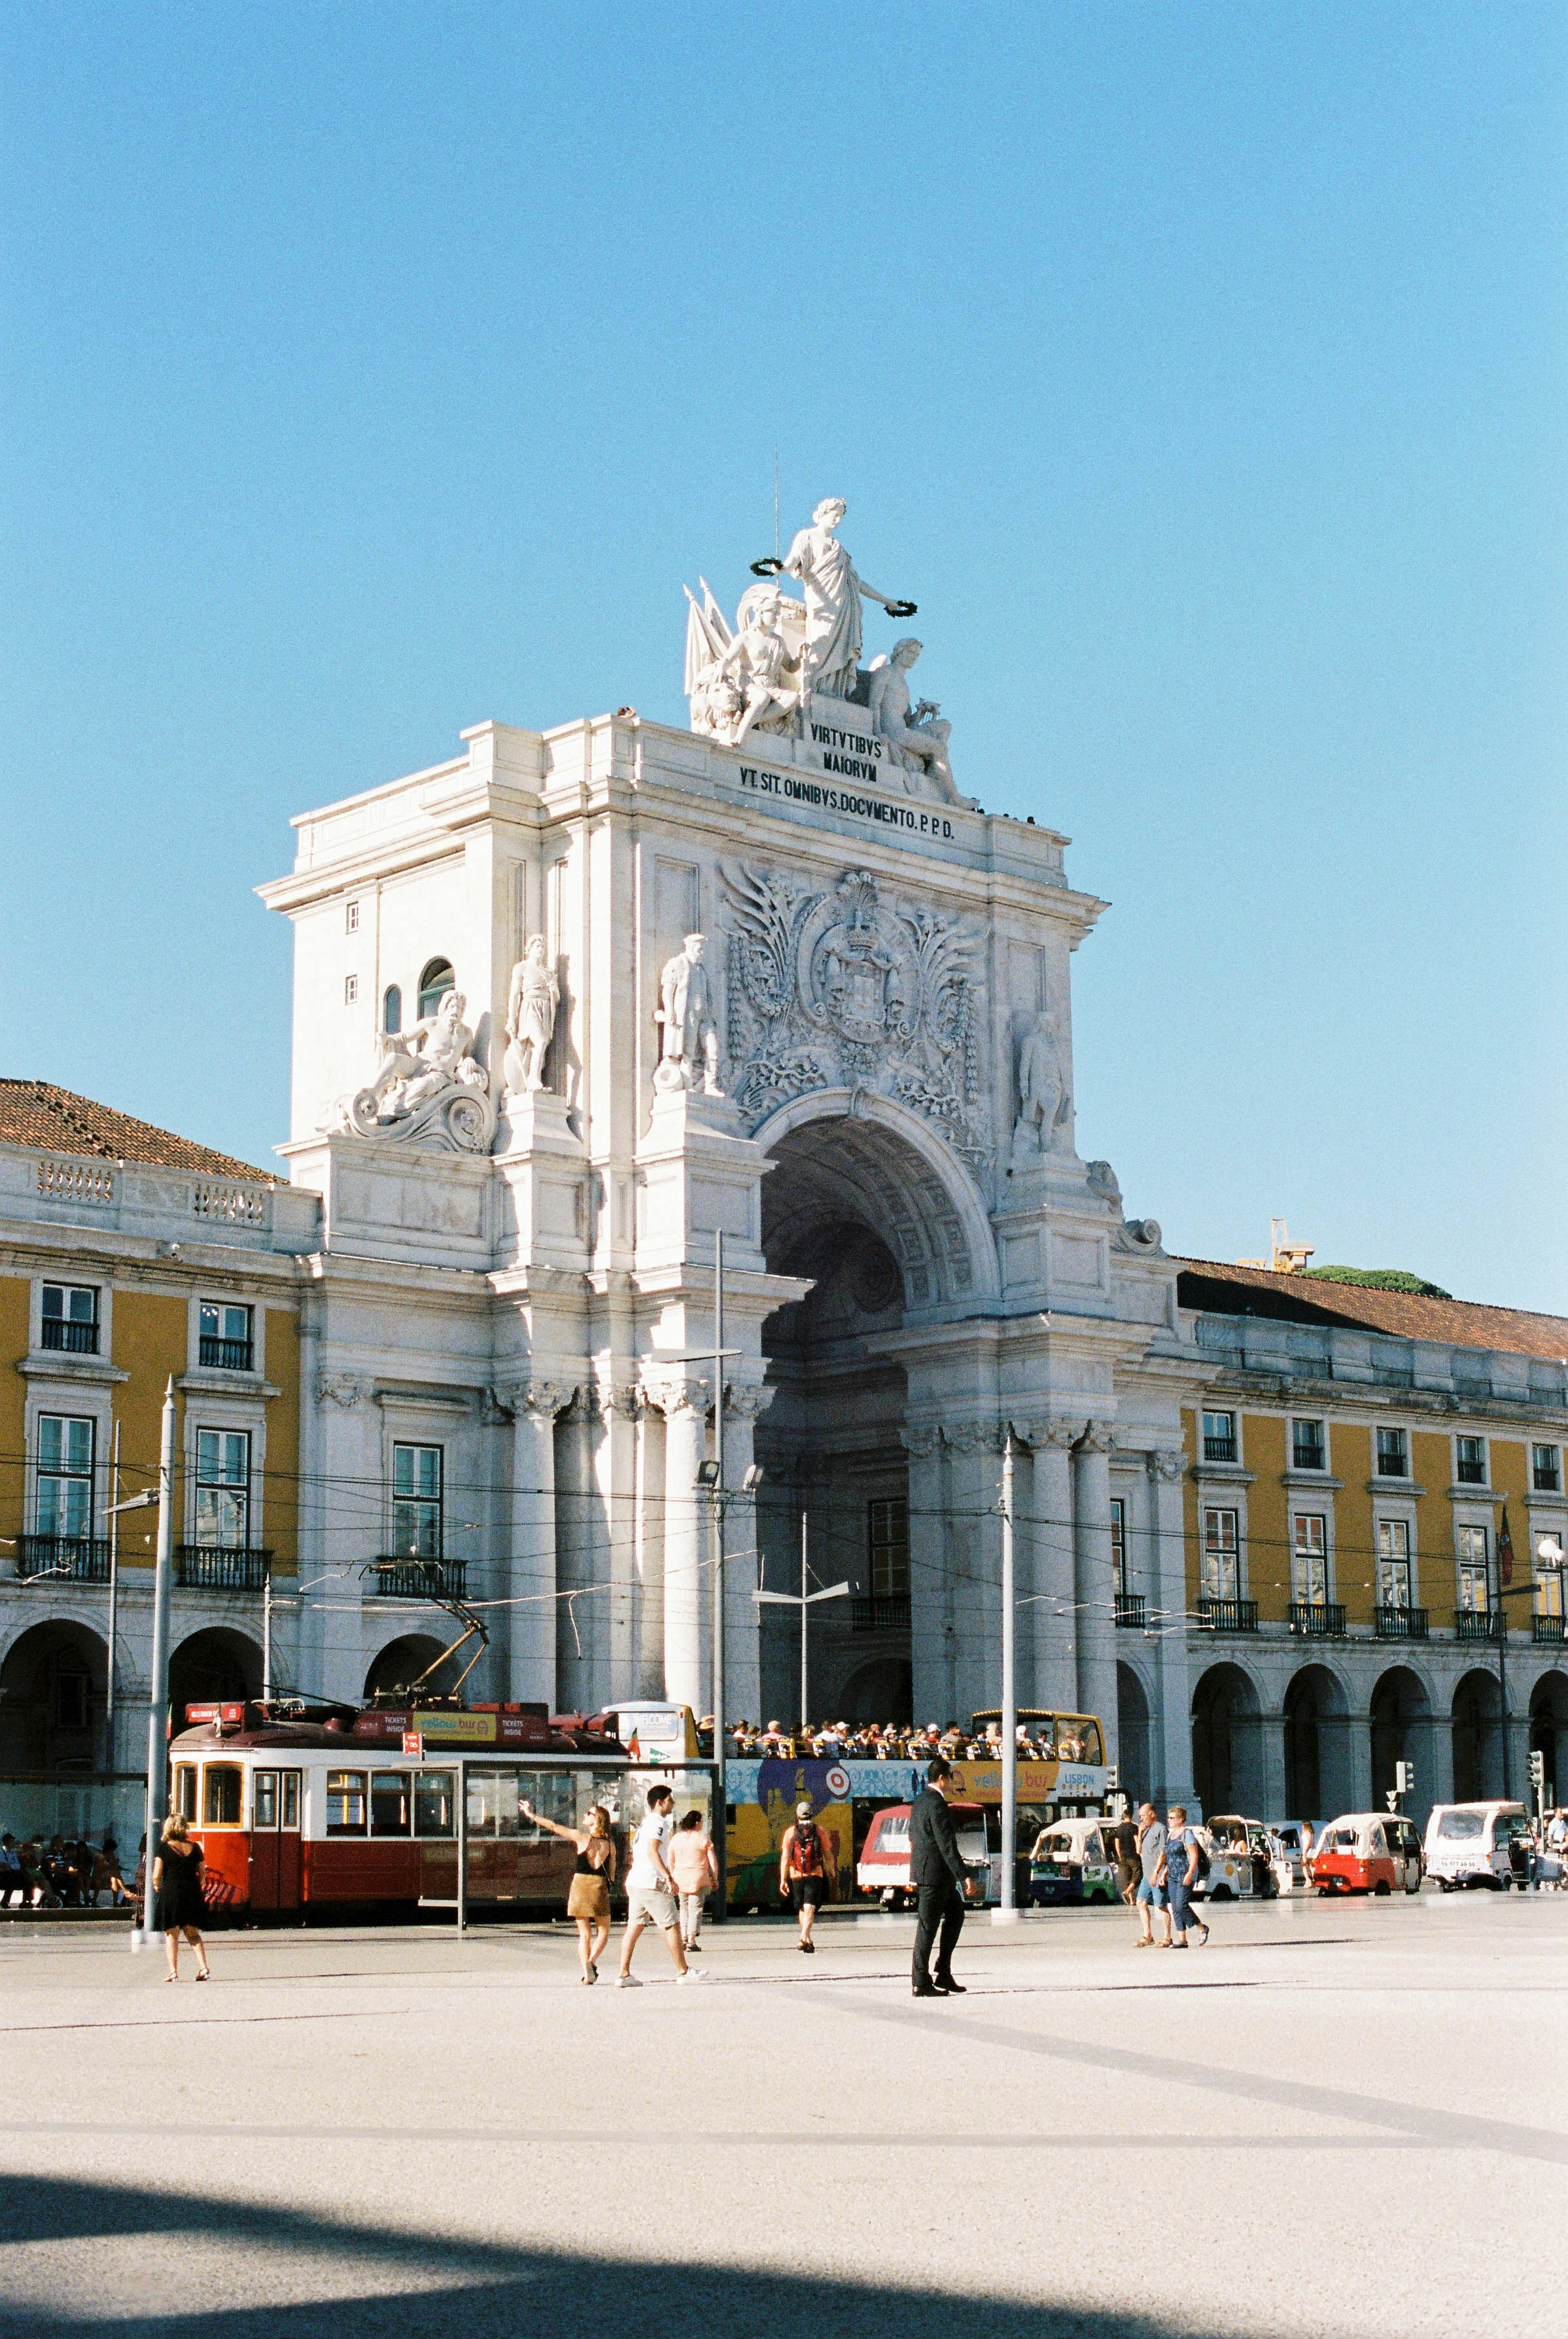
(1393,1454)
(70,1319)
(1308,1446)
(66,1454)
(417,1500)
(1475,1571)
(1310,1558)
(887,1539)
(1546,1469)
(1470,1461)
(223,1489)
(1220,1437)
(1548,1588)
(226,1338)
(1118,1545)
(1394,1563)
(1221,1554)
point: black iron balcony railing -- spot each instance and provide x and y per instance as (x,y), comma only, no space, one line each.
(1130,1610)
(220,1567)
(83,1558)
(1546,1630)
(1400,1624)
(1479,1624)
(885,1612)
(229,1355)
(1322,1620)
(75,1339)
(1227,1616)
(419,1579)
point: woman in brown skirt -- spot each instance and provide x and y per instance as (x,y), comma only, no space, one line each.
(588,1901)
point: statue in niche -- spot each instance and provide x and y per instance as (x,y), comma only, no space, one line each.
(689,1052)
(532,1002)
(1044,1100)
(832,596)
(918,739)
(429,1081)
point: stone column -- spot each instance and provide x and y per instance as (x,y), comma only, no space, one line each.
(531,1635)
(613,1666)
(1171,1734)
(928,1637)
(1055,1624)
(975,1510)
(743,1617)
(683,1404)
(1093,1578)
(579,1622)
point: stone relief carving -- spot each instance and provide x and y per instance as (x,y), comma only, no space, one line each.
(429,1086)
(1166,1466)
(673,1393)
(922,1443)
(1137,1235)
(689,1048)
(1044,1097)
(1103,1181)
(340,1388)
(1099,1436)
(542,1399)
(836,988)
(533,997)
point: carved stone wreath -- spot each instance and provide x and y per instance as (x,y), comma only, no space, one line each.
(837,988)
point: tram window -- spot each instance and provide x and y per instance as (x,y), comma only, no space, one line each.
(553,1794)
(264,1800)
(433,1802)
(486,1791)
(185,1789)
(290,1799)
(345,1802)
(220,1798)
(389,1802)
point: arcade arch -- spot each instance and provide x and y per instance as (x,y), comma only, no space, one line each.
(1401,1731)
(1477,1739)
(1228,1740)
(53,1693)
(395,1669)
(213,1666)
(1549,1732)
(1132,1734)
(1317,1768)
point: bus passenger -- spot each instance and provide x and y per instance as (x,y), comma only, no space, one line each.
(588,1894)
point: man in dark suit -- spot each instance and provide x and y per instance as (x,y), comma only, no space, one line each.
(942,1884)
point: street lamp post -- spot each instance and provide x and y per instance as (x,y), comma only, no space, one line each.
(1007,1914)
(158,1689)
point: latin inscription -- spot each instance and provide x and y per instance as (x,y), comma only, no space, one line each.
(811,791)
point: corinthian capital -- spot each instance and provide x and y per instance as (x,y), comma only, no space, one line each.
(541,1398)
(747,1399)
(674,1392)
(921,1442)
(1099,1436)
(1061,1433)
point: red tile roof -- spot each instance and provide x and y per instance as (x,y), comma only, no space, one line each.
(36,1112)
(1221,1290)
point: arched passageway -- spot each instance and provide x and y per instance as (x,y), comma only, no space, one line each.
(1317,1778)
(403,1662)
(52,1686)
(1401,1731)
(1132,1734)
(882,1690)
(1477,1739)
(213,1667)
(1227,1742)
(1548,1732)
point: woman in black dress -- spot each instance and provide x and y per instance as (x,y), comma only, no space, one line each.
(177,1905)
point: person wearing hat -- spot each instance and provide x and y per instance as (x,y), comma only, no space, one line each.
(808,1871)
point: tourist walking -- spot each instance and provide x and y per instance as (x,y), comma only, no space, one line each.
(1150,1894)
(942,1884)
(1185,1862)
(1124,1847)
(588,1894)
(651,1894)
(694,1864)
(177,1904)
(808,1871)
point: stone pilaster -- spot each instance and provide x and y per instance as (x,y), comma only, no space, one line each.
(930,1620)
(531,1624)
(684,1403)
(1054,1609)
(1093,1581)
(1171,1733)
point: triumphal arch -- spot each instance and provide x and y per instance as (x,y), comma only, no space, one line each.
(571,1004)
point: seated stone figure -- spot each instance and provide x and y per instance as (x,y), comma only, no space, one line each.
(918,739)
(420,1065)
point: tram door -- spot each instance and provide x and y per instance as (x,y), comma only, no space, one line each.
(289,1854)
(275,1841)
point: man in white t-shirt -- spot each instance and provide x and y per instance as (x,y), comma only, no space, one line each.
(651,1895)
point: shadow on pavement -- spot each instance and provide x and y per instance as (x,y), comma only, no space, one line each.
(469,2288)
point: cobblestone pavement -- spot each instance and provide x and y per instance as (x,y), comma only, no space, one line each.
(1334,2120)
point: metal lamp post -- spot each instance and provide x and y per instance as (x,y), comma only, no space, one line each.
(1007,1914)
(158,1687)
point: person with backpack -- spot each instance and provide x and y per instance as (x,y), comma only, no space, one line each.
(808,1870)
(1185,1865)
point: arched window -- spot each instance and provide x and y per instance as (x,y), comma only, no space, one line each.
(392,1009)
(437,977)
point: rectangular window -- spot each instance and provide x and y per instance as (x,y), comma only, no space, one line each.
(1117,1546)
(1546,1469)
(1309,1446)
(290,1799)
(390,1805)
(350,988)
(1393,1454)
(434,1803)
(1310,1558)
(351,917)
(70,1319)
(887,1540)
(345,1802)
(73,1695)
(65,1452)
(264,1800)
(220,1795)
(1221,1555)
(185,1789)
(226,1341)
(416,1502)
(223,1489)
(1220,1437)
(1475,1571)
(1470,1461)
(1548,1586)
(1394,1563)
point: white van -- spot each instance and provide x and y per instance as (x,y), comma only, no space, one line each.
(1471,1843)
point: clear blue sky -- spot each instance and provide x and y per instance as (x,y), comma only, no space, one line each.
(370,371)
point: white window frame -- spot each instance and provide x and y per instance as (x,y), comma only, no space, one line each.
(205,1374)
(1406,1521)
(1312,1469)
(1402,1429)
(1216,1412)
(217,1408)
(1464,1565)
(1120,1576)
(1473,1437)
(247,1542)
(58,1410)
(1233,1510)
(1546,1445)
(49,1357)
(1326,1518)
(352,914)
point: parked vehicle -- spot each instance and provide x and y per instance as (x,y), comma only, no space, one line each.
(1071,1865)
(1240,1861)
(1368,1851)
(1473,1843)
(883,1864)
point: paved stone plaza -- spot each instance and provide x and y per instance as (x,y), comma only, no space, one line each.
(1337,2120)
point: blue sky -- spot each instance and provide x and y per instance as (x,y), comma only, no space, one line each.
(370,371)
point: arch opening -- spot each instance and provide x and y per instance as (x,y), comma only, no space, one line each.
(1477,1739)
(395,1669)
(1548,1732)
(1317,1769)
(1132,1746)
(53,1687)
(213,1667)
(1227,1740)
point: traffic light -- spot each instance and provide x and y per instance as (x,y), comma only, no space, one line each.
(1537,1769)
(1405,1778)
(1113,1777)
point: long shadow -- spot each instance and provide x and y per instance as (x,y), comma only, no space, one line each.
(469,2290)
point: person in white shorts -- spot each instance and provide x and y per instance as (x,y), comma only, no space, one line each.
(651,1895)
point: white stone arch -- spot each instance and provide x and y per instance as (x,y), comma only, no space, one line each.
(891,1171)
(81,1613)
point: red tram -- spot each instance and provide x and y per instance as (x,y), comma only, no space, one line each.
(333,1810)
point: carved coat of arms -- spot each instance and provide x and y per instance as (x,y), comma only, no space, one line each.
(838,989)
